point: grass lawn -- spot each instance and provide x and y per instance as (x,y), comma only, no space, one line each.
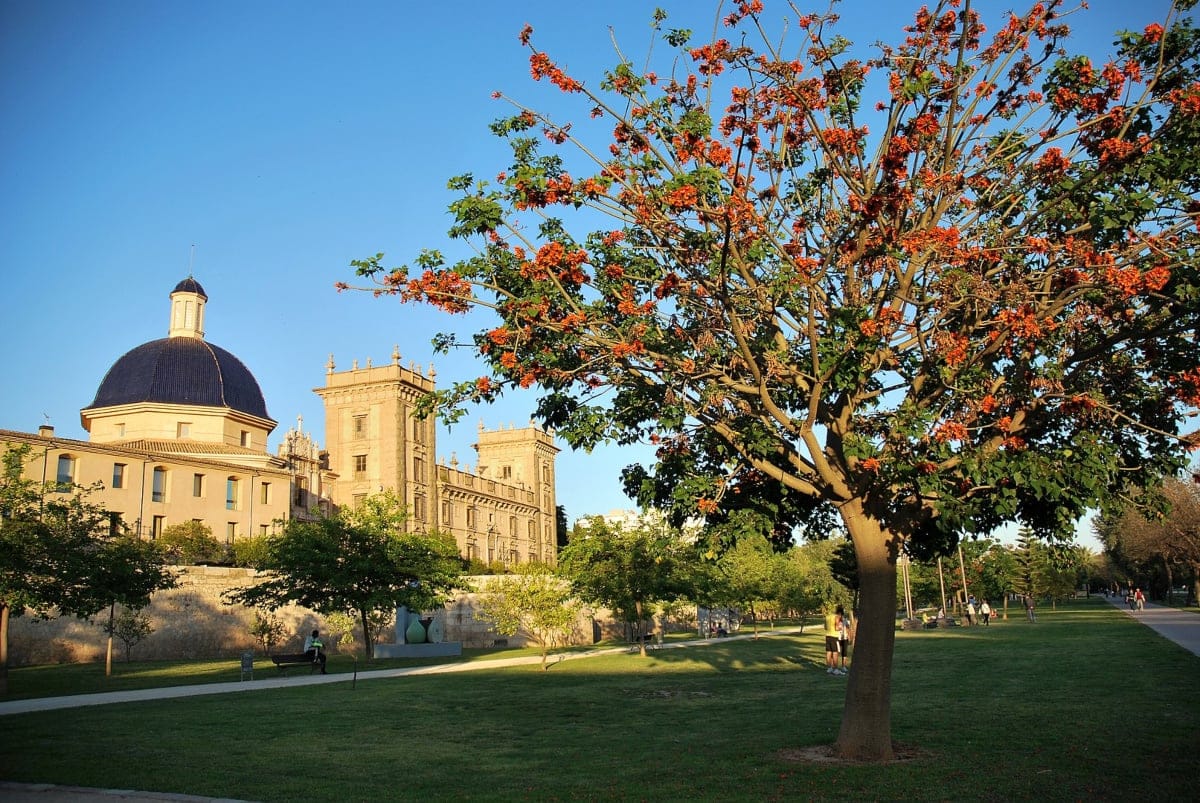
(1084,705)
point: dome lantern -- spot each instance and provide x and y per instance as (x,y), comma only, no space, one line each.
(187,310)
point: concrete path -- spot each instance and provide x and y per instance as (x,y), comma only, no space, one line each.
(1181,627)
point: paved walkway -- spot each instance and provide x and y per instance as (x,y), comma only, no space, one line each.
(1181,627)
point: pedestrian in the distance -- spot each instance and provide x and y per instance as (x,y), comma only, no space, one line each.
(1029,605)
(985,611)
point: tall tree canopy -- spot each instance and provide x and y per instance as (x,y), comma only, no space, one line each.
(1140,542)
(626,569)
(935,286)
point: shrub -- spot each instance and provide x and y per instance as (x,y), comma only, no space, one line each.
(190,542)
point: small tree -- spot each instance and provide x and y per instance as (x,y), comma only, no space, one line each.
(131,626)
(341,631)
(252,552)
(357,561)
(626,569)
(748,570)
(189,543)
(532,600)
(267,630)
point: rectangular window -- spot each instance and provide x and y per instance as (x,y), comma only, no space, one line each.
(118,475)
(418,468)
(506,472)
(230,532)
(120,430)
(197,485)
(301,498)
(262,529)
(66,472)
(158,485)
(231,493)
(360,466)
(471,518)
(265,496)
(447,513)
(156,527)
(360,426)
(512,526)
(419,507)
(359,500)
(418,431)
(183,429)
(245,441)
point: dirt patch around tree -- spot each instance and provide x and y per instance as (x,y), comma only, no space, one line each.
(823,754)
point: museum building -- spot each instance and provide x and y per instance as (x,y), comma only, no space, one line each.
(178,431)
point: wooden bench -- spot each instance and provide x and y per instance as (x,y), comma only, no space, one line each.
(285,662)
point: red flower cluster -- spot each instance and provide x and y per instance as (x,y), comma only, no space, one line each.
(445,290)
(712,57)
(540,66)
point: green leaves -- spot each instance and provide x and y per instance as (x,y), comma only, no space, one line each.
(357,561)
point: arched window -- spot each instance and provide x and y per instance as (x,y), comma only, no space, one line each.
(66,472)
(158,485)
(231,493)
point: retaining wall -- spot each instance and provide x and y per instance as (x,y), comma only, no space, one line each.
(192,621)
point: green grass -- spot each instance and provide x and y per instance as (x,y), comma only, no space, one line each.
(1085,705)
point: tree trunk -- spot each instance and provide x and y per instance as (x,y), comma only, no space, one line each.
(637,606)
(368,642)
(866,731)
(3,649)
(112,616)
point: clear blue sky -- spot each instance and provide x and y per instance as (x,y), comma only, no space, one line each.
(282,140)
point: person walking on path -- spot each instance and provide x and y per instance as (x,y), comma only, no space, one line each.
(1140,599)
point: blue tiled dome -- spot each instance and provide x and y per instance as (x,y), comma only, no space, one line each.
(190,285)
(181,370)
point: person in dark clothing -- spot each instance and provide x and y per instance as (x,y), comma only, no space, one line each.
(314,648)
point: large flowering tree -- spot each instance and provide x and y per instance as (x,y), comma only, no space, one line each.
(931,291)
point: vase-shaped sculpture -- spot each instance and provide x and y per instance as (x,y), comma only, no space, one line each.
(415,633)
(435,633)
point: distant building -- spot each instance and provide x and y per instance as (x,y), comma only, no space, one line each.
(178,431)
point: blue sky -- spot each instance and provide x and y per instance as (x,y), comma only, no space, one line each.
(282,140)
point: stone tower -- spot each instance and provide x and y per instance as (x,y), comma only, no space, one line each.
(501,514)
(374,441)
(524,458)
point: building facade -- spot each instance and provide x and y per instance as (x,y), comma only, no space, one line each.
(178,432)
(501,512)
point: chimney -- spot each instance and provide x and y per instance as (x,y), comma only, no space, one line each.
(45,431)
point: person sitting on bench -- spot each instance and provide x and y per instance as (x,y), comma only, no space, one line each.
(315,649)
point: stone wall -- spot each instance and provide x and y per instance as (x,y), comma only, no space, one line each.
(192,621)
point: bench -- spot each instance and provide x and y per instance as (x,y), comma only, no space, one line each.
(651,641)
(285,662)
